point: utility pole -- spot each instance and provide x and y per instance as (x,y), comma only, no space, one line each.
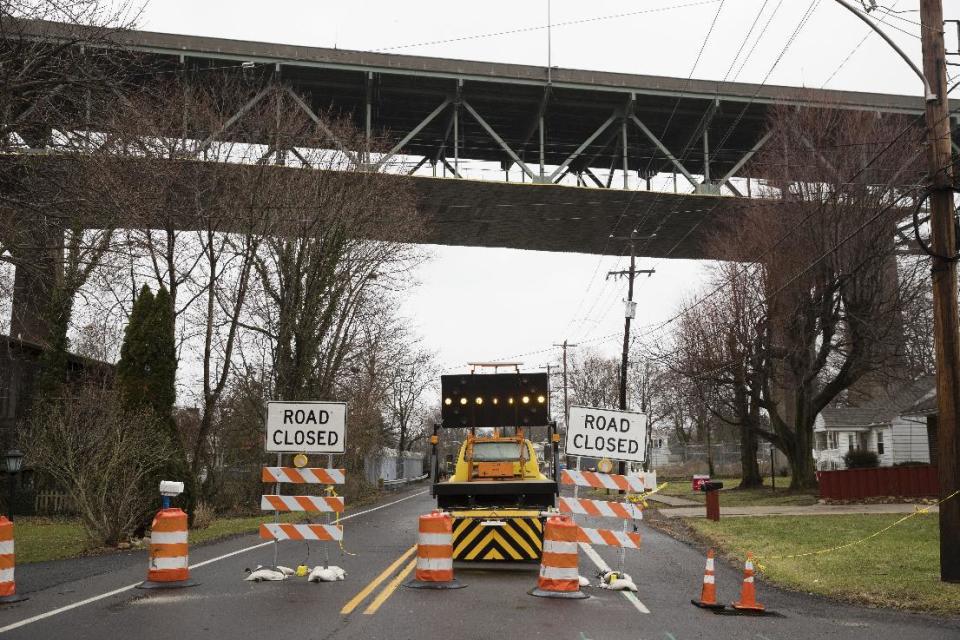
(629,313)
(566,403)
(944,273)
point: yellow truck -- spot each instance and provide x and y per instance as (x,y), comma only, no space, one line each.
(498,490)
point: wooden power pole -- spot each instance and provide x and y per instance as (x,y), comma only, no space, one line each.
(629,313)
(566,403)
(944,271)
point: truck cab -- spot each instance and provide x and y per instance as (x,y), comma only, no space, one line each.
(497,492)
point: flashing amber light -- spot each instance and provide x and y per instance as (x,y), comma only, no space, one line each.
(541,399)
(555,437)
(463,401)
(448,401)
(510,401)
(496,401)
(526,399)
(479,400)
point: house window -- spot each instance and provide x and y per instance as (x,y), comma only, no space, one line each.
(880,443)
(833,442)
(820,440)
(851,441)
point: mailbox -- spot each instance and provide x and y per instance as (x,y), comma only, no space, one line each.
(710,486)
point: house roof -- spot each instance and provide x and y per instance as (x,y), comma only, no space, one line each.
(883,408)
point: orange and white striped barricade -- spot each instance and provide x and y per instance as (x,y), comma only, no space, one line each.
(169,552)
(330,504)
(708,593)
(435,553)
(318,532)
(327,504)
(305,475)
(633,484)
(624,539)
(8,585)
(600,508)
(559,573)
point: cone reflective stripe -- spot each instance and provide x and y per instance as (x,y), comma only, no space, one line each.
(169,559)
(559,577)
(302,476)
(8,586)
(435,553)
(708,593)
(748,592)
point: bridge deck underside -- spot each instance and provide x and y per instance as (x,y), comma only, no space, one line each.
(570,219)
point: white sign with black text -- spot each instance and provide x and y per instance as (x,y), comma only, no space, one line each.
(606,433)
(306,427)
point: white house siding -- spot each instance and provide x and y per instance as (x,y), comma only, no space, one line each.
(909,438)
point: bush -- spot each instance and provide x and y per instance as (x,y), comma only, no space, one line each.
(912,463)
(104,454)
(860,459)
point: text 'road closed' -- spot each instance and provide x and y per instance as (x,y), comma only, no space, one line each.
(604,433)
(307,427)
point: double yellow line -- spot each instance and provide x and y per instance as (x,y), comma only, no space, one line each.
(387,590)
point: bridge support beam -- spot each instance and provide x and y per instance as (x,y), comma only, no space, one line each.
(39,269)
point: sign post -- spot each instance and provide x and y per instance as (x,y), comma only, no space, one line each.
(610,435)
(605,433)
(305,427)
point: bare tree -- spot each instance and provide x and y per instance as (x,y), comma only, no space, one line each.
(828,288)
(85,444)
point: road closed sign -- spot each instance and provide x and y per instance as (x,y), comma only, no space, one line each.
(605,433)
(306,427)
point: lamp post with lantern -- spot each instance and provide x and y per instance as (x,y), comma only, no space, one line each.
(12,460)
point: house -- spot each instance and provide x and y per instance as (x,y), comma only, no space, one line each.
(898,425)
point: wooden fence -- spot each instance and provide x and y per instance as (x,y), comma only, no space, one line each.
(905,482)
(49,503)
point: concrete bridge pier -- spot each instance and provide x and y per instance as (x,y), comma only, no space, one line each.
(38,262)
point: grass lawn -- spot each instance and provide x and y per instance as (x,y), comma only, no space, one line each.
(739,498)
(38,538)
(897,569)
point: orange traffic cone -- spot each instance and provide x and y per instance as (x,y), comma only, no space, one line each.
(748,593)
(8,587)
(708,594)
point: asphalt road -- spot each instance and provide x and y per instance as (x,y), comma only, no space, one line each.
(494,604)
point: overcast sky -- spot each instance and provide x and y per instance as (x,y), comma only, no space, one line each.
(521,302)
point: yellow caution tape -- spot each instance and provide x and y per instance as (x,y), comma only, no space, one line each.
(917,511)
(332,492)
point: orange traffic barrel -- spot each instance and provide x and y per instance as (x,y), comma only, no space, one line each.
(8,586)
(435,553)
(559,574)
(169,557)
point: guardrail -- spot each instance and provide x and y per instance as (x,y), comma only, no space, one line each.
(399,482)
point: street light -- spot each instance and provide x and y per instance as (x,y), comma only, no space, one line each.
(12,460)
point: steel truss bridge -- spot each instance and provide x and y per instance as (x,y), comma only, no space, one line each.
(570,148)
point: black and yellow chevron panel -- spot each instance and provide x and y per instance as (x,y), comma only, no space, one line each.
(509,539)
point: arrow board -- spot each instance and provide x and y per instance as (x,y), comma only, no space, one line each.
(306,427)
(605,433)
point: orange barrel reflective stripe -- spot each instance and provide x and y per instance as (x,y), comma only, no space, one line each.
(8,586)
(169,553)
(559,577)
(435,553)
